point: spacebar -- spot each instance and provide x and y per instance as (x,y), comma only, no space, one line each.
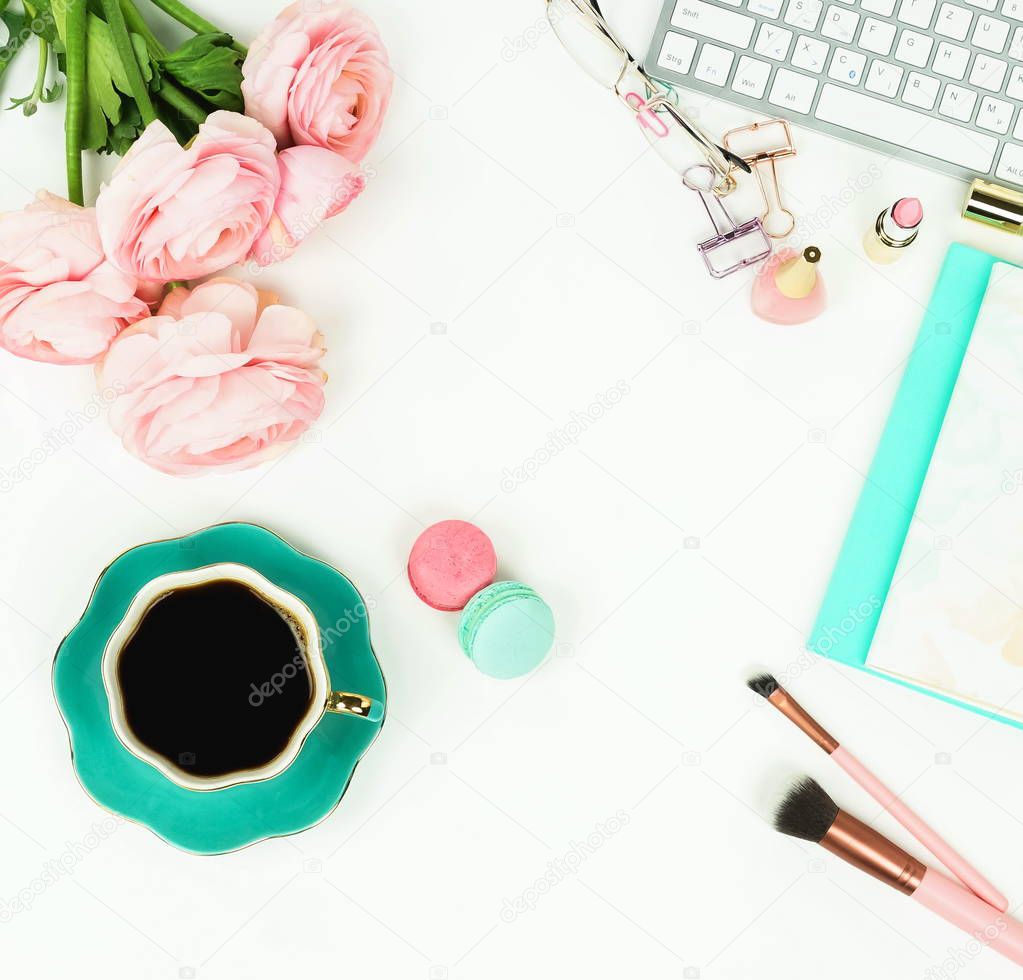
(906,128)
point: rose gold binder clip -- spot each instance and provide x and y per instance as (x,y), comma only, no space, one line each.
(778,220)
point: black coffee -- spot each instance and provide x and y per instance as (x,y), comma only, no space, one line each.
(214,678)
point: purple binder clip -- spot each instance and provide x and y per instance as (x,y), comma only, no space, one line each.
(727,234)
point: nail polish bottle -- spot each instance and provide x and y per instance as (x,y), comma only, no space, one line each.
(788,288)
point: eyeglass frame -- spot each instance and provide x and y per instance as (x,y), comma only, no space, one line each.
(658,97)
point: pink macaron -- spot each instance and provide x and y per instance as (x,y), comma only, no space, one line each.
(449,563)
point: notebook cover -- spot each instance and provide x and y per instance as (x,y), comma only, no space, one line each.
(866,564)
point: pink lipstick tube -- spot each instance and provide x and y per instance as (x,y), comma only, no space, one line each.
(894,231)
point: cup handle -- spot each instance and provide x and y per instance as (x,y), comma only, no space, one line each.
(344,703)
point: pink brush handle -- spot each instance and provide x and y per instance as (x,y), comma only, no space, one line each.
(987,925)
(952,860)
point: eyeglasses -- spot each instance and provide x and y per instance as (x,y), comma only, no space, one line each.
(586,35)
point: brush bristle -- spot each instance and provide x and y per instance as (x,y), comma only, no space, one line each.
(806,811)
(763,684)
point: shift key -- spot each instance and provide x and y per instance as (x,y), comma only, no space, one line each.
(705,20)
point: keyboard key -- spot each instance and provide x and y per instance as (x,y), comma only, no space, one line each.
(1018,131)
(914,49)
(877,36)
(882,7)
(990,34)
(751,77)
(810,54)
(983,4)
(953,22)
(1010,166)
(733,3)
(714,65)
(765,8)
(1016,48)
(677,52)
(840,24)
(951,61)
(725,26)
(792,91)
(883,79)
(995,115)
(804,14)
(1013,9)
(957,103)
(773,42)
(847,66)
(1015,88)
(921,91)
(917,13)
(988,73)
(903,127)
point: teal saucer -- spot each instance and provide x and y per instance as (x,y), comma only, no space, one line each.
(218,821)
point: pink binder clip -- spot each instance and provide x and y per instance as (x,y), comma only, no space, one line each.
(727,234)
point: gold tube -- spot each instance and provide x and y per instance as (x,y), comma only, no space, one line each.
(864,848)
(802,719)
(992,204)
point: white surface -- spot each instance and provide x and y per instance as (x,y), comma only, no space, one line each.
(520,253)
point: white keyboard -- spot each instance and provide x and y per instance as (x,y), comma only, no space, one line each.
(936,81)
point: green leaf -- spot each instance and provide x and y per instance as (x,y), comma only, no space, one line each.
(112,120)
(45,22)
(17,36)
(207,65)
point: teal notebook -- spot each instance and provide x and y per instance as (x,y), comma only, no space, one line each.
(952,624)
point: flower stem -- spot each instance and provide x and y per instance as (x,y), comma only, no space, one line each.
(177,99)
(137,25)
(29,107)
(190,19)
(75,71)
(126,53)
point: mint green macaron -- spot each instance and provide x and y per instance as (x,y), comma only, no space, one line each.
(506,630)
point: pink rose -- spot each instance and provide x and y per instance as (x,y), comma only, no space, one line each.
(221,378)
(173,213)
(60,299)
(319,77)
(315,185)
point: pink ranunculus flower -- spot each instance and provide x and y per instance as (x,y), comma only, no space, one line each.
(174,213)
(223,377)
(61,301)
(315,185)
(319,76)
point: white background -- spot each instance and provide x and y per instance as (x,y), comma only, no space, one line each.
(520,252)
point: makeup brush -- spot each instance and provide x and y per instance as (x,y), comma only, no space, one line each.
(768,688)
(809,813)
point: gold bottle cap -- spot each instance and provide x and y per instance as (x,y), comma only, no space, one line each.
(797,277)
(992,204)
